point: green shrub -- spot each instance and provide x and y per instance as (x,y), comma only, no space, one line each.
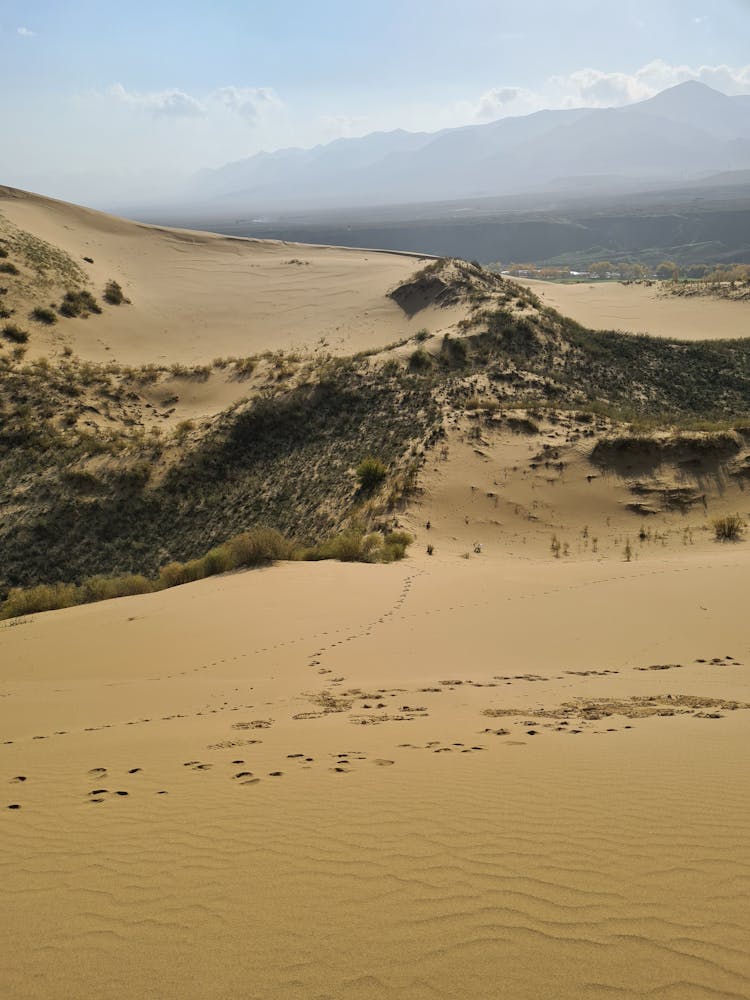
(113,294)
(370,473)
(348,546)
(729,528)
(15,333)
(260,546)
(244,367)
(78,302)
(420,360)
(103,588)
(43,315)
(395,545)
(354,545)
(45,597)
(454,351)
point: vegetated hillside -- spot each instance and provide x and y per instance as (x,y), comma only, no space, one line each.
(93,481)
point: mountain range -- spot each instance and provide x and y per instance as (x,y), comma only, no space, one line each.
(684,133)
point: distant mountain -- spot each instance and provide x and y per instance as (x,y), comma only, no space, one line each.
(683,133)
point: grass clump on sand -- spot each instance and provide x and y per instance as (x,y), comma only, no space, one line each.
(420,360)
(113,294)
(15,333)
(79,302)
(257,547)
(355,545)
(729,528)
(370,473)
(43,315)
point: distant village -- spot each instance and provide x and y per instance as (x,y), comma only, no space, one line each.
(605,270)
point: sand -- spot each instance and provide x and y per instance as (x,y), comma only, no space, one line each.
(197,296)
(516,772)
(448,777)
(609,305)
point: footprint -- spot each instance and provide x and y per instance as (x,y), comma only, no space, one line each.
(98,770)
(18,779)
(275,774)
(14,805)
(383,763)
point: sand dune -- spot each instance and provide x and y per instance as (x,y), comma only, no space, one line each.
(504,775)
(609,305)
(197,296)
(511,767)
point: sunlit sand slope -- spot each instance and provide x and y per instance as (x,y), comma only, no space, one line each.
(197,296)
(442,778)
(610,305)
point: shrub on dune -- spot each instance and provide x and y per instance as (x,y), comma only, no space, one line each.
(370,473)
(44,597)
(260,546)
(729,528)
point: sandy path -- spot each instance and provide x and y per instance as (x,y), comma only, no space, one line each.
(392,858)
(610,305)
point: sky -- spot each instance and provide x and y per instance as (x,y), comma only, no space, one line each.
(105,102)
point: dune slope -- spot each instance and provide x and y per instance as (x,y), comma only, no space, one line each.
(436,780)
(197,296)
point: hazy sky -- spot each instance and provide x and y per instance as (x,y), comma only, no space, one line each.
(103,100)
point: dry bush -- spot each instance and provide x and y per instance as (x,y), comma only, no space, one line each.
(113,294)
(260,546)
(729,528)
(45,597)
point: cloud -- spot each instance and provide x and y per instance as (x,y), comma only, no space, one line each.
(26,32)
(250,103)
(342,125)
(494,103)
(593,87)
(166,103)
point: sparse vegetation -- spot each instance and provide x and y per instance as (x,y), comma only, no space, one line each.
(15,334)
(258,547)
(729,528)
(43,315)
(420,361)
(79,302)
(8,267)
(370,473)
(113,294)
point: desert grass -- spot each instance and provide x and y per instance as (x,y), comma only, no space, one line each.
(370,473)
(729,528)
(260,546)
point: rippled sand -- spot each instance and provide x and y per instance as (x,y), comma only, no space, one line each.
(325,797)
